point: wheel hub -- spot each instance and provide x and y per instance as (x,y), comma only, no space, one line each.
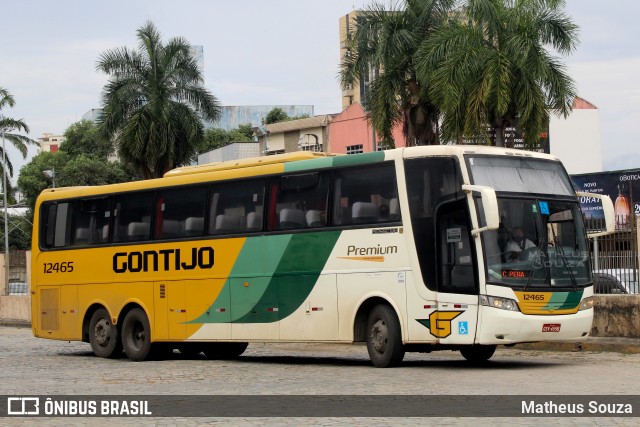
(102,332)
(379,336)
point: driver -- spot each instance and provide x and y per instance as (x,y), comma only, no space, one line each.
(517,244)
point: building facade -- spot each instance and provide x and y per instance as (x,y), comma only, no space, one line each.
(50,142)
(350,133)
(310,134)
(576,139)
(356,92)
(232,116)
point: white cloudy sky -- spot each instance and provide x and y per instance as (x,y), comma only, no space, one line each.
(271,52)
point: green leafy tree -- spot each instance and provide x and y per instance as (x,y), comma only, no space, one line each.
(8,126)
(491,69)
(246,130)
(154,101)
(84,137)
(32,179)
(216,138)
(69,171)
(19,232)
(276,115)
(383,47)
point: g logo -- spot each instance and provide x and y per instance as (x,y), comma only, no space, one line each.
(439,322)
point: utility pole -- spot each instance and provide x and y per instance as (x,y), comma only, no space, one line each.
(6,218)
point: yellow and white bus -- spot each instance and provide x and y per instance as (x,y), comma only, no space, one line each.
(407,250)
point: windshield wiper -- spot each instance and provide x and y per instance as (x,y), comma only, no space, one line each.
(535,260)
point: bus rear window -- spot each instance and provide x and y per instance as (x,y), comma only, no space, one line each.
(56,225)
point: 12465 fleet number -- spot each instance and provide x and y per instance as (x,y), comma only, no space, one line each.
(58,267)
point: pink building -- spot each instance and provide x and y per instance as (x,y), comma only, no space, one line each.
(349,132)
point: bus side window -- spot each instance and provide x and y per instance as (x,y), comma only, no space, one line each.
(236,207)
(91,221)
(299,201)
(132,217)
(180,213)
(366,195)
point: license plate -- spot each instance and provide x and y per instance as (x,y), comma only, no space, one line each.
(551,327)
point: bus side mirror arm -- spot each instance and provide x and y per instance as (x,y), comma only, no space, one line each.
(489,205)
(607,208)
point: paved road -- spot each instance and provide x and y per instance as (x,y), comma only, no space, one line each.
(43,367)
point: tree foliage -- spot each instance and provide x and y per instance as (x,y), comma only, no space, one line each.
(8,126)
(382,52)
(492,68)
(19,232)
(475,66)
(154,102)
(217,138)
(277,115)
(81,160)
(85,138)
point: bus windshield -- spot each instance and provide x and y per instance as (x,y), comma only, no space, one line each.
(541,240)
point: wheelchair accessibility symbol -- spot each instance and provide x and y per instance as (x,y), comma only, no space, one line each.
(463,328)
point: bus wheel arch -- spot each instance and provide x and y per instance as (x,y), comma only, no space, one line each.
(377,322)
(98,329)
(362,315)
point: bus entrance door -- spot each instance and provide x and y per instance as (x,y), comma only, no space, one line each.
(455,319)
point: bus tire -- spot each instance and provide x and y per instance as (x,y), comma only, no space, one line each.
(136,335)
(478,353)
(103,335)
(384,338)
(224,350)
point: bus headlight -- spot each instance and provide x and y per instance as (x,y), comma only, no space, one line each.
(586,304)
(497,302)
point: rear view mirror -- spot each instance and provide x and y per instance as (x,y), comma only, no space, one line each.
(490,215)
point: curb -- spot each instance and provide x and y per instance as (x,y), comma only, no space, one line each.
(15,323)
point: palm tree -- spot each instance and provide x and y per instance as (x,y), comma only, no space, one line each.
(491,69)
(384,46)
(154,102)
(7,127)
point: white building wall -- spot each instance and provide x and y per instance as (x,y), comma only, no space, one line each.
(233,151)
(576,140)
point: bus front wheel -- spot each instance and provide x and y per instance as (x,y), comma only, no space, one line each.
(384,338)
(478,353)
(103,335)
(136,335)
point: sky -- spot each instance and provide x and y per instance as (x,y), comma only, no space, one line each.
(259,52)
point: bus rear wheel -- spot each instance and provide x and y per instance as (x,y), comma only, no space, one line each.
(478,353)
(103,335)
(384,338)
(224,350)
(136,335)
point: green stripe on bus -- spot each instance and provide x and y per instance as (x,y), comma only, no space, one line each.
(337,161)
(294,278)
(304,165)
(358,159)
(564,300)
(293,264)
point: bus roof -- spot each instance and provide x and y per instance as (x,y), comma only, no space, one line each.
(247,163)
